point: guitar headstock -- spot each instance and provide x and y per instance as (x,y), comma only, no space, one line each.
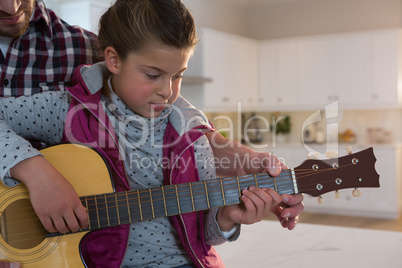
(317,177)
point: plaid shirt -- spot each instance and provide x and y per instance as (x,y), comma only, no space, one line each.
(45,56)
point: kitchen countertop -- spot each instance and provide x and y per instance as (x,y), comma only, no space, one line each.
(267,244)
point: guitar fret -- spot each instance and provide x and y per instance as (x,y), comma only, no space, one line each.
(256,182)
(276,187)
(223,193)
(139,204)
(128,208)
(117,209)
(192,197)
(152,204)
(177,196)
(238,185)
(89,218)
(206,194)
(164,200)
(97,212)
(107,211)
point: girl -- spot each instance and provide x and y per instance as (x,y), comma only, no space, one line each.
(123,108)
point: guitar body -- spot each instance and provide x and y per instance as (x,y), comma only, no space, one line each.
(23,238)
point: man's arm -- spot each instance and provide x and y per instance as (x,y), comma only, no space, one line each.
(53,198)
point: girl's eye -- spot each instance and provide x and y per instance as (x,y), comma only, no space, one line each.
(176,77)
(152,76)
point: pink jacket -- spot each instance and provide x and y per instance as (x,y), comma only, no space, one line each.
(88,124)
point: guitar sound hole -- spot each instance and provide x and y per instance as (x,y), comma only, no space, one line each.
(20,227)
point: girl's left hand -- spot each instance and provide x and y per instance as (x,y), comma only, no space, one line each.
(257,204)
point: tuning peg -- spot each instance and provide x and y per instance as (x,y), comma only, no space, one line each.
(331,154)
(349,150)
(313,155)
(320,200)
(337,194)
(356,193)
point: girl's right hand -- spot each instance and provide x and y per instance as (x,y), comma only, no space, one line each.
(53,198)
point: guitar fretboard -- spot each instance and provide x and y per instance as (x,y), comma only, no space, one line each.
(113,209)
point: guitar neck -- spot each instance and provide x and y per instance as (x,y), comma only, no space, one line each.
(113,209)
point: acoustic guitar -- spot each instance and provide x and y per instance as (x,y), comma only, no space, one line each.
(23,238)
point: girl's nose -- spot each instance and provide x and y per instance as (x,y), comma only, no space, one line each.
(166,91)
(10,6)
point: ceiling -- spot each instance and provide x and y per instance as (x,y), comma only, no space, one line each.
(266,2)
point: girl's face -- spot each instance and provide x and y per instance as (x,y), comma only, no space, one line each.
(150,80)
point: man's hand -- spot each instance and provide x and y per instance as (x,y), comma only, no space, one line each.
(289,210)
(53,198)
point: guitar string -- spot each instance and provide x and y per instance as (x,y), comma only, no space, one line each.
(306,174)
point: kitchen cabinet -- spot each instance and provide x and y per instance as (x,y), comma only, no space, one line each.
(360,70)
(383,202)
(278,75)
(230,62)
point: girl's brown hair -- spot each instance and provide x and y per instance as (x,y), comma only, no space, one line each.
(129,25)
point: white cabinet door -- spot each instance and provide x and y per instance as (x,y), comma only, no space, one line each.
(386,69)
(267,75)
(315,72)
(351,68)
(217,93)
(278,75)
(241,71)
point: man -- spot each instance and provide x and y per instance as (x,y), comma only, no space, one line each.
(39,52)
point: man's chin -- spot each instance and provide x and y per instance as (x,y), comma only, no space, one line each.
(14,30)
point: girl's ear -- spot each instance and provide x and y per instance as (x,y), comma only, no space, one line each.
(112,60)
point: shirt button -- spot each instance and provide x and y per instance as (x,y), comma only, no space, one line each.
(6,82)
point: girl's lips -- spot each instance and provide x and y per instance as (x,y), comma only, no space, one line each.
(12,20)
(158,106)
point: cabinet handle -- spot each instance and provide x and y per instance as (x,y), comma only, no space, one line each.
(225,99)
(279,99)
(375,96)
